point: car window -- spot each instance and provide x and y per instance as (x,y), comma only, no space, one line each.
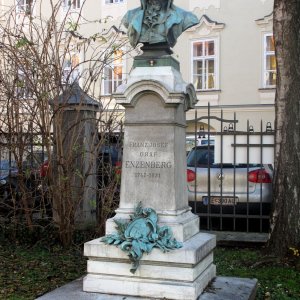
(205,142)
(6,164)
(200,157)
(110,154)
(35,159)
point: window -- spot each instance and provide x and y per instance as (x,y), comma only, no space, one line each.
(22,86)
(113,1)
(204,64)
(71,68)
(24,6)
(269,72)
(113,74)
(72,4)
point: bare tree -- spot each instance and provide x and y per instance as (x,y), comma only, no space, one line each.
(38,65)
(285,228)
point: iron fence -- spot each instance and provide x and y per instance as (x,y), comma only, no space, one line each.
(230,185)
(24,162)
(230,173)
(22,156)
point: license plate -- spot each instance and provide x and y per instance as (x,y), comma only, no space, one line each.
(220,201)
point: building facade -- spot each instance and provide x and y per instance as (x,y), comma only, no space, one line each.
(229,56)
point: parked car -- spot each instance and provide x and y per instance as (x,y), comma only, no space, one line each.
(8,168)
(110,156)
(229,188)
(109,165)
(33,162)
(8,184)
(14,182)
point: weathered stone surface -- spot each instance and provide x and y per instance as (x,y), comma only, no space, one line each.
(192,252)
(78,129)
(179,274)
(222,288)
(169,289)
(154,173)
(154,160)
(157,271)
(184,224)
(165,81)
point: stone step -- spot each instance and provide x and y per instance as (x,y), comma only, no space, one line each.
(179,272)
(221,288)
(150,288)
(192,252)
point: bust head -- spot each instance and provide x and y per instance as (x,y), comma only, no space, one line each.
(157,21)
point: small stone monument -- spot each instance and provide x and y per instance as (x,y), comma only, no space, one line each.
(77,127)
(155,98)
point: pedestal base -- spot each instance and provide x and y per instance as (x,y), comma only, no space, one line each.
(179,274)
(169,289)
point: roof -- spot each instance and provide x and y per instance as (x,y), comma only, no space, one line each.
(74,95)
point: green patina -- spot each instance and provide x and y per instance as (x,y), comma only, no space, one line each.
(140,235)
(157,21)
(163,61)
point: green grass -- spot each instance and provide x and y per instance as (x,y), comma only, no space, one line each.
(278,280)
(28,272)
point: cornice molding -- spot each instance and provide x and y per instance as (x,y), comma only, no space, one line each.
(207,26)
(110,32)
(265,21)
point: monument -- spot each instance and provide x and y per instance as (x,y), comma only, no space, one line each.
(76,120)
(155,98)
(157,21)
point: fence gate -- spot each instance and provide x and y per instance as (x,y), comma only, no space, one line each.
(230,174)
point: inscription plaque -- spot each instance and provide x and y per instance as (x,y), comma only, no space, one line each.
(148,159)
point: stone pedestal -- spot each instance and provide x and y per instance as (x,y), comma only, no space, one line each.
(154,172)
(180,274)
(75,125)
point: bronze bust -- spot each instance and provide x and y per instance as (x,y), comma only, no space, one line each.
(157,21)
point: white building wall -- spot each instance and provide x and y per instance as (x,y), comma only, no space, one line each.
(238,26)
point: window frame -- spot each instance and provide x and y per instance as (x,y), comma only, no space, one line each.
(111,67)
(68,5)
(26,7)
(23,91)
(267,53)
(114,2)
(71,73)
(205,59)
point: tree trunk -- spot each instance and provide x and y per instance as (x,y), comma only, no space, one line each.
(285,222)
